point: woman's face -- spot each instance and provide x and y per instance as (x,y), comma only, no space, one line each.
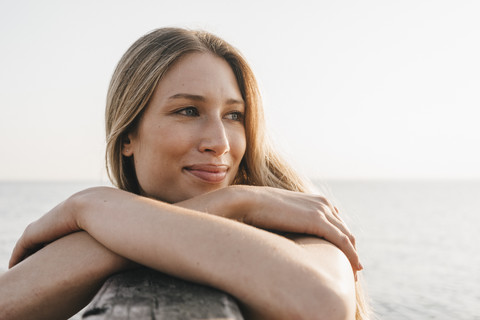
(191,136)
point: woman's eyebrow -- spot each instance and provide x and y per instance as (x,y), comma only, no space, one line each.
(235,101)
(196,97)
(187,96)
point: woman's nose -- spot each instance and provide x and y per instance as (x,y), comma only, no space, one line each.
(214,138)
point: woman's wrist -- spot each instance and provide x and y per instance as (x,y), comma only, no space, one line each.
(241,199)
(232,202)
(80,203)
(73,208)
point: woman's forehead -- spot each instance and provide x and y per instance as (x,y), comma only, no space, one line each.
(199,74)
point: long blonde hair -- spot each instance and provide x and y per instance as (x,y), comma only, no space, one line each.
(134,81)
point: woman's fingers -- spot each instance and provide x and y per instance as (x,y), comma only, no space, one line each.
(342,241)
(338,237)
(51,226)
(19,253)
(337,221)
(24,247)
(333,215)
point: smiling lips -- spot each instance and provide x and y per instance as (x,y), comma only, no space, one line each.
(208,172)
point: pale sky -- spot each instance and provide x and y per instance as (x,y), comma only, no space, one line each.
(352,89)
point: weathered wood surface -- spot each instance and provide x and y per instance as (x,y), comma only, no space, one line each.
(146,294)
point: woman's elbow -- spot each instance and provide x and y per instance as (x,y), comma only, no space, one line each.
(330,282)
(332,305)
(304,302)
(338,305)
(329,301)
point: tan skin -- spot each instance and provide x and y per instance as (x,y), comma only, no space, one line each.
(197,110)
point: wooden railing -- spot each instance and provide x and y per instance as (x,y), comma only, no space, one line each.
(144,294)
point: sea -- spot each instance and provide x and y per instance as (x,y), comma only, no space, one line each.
(419,241)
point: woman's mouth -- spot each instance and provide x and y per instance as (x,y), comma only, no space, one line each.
(207,172)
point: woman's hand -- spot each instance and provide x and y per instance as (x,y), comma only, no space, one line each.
(280,210)
(262,207)
(58,222)
(208,249)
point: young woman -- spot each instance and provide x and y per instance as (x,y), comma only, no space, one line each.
(200,196)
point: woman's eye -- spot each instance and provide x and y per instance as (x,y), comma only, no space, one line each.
(189,112)
(235,116)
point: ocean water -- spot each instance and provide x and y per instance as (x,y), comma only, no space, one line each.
(419,241)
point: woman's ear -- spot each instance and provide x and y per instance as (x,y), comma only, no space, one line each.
(127,148)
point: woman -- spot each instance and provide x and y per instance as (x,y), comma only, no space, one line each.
(200,196)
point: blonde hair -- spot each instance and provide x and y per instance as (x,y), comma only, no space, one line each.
(134,81)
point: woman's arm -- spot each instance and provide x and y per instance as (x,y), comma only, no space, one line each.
(262,207)
(58,280)
(281,210)
(271,275)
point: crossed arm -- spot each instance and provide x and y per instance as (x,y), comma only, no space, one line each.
(272,276)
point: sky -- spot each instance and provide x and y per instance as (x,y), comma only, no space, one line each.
(352,89)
